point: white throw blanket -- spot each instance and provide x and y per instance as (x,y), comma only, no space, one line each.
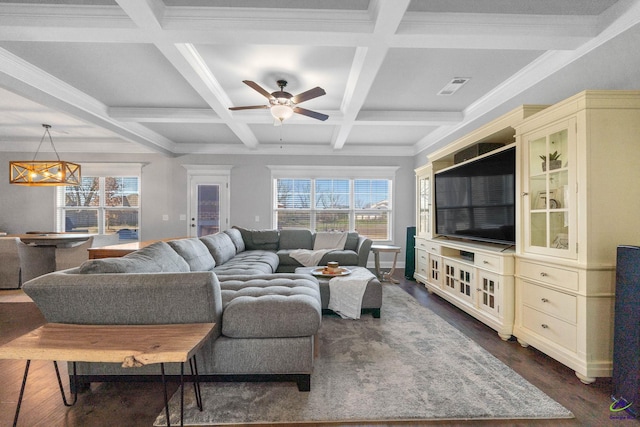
(325,242)
(345,293)
(330,240)
(308,257)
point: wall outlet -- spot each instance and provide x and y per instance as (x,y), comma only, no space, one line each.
(257,218)
(165,217)
(183,217)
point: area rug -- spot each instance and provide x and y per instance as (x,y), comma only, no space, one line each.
(409,365)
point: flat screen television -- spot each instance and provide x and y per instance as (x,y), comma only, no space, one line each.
(476,200)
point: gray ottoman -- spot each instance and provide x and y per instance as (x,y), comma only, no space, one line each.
(371,300)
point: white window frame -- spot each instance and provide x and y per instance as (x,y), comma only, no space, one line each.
(336,172)
(101,171)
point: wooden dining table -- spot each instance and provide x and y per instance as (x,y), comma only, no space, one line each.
(122,249)
(59,240)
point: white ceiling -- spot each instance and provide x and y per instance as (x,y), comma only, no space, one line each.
(159,76)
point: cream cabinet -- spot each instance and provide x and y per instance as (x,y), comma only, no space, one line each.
(549,190)
(580,199)
(424,219)
(476,277)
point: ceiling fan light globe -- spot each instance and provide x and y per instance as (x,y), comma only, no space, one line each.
(281,112)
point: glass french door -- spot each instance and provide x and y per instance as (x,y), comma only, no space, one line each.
(208,213)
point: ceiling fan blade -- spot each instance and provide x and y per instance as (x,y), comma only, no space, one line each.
(310,94)
(309,113)
(249,107)
(258,88)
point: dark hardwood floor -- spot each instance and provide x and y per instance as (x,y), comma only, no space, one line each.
(138,404)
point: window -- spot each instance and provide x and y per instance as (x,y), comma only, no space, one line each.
(100,205)
(362,203)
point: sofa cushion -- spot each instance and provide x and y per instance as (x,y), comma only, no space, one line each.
(221,247)
(260,239)
(352,242)
(155,258)
(270,306)
(236,237)
(194,252)
(249,262)
(345,257)
(296,239)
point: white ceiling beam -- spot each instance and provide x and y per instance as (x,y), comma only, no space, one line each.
(388,150)
(205,115)
(24,78)
(146,14)
(386,15)
(188,62)
(28,22)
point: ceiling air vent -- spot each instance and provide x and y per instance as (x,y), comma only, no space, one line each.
(453,86)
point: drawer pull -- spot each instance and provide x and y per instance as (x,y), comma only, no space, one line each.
(543,274)
(544,300)
(545,326)
(485,262)
(433,249)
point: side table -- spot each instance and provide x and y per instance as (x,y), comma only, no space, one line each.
(377,249)
(131,345)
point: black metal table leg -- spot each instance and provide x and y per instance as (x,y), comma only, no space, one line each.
(193,363)
(196,384)
(24,383)
(166,398)
(75,385)
(181,394)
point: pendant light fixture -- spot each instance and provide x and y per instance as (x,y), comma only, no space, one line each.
(44,173)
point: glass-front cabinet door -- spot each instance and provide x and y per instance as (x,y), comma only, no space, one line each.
(423,176)
(549,191)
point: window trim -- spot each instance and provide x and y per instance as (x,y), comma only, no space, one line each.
(336,172)
(102,170)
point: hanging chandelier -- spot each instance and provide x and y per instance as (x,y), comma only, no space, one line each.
(44,173)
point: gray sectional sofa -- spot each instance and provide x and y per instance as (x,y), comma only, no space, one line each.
(266,318)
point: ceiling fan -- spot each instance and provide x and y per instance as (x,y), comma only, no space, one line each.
(283,104)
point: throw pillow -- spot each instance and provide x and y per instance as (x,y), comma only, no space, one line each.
(195,253)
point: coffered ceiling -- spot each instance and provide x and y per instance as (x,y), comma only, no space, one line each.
(160,75)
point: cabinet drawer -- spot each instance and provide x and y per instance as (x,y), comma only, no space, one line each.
(422,244)
(422,270)
(561,277)
(433,248)
(422,258)
(489,262)
(549,301)
(561,333)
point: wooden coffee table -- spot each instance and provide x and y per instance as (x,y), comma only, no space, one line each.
(131,345)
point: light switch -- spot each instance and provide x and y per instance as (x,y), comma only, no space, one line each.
(165,217)
(183,217)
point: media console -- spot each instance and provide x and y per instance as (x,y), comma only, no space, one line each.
(474,276)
